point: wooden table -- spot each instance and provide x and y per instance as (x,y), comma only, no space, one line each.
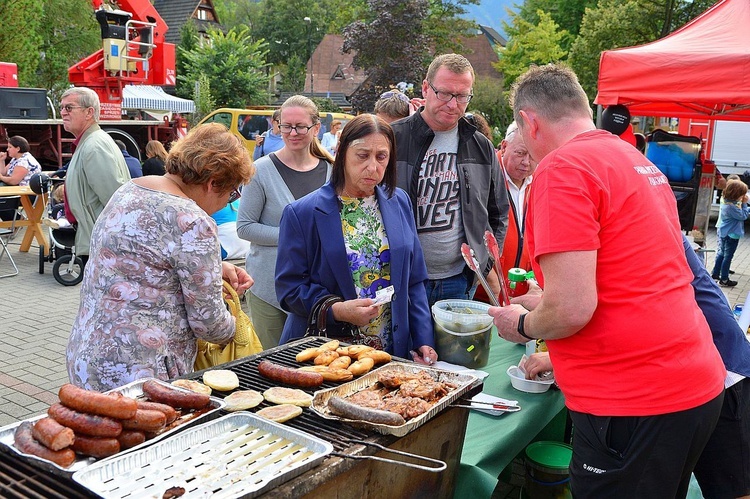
(34,213)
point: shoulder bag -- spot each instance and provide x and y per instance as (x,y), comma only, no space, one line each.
(244,343)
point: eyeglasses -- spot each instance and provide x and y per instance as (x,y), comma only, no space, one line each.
(447,96)
(300,129)
(235,195)
(69,107)
(398,95)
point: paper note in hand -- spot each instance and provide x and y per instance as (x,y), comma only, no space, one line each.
(383,296)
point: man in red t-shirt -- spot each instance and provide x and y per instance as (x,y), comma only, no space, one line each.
(632,351)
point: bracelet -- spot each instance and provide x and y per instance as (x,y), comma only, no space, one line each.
(520,330)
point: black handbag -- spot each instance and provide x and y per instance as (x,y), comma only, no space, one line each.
(343,331)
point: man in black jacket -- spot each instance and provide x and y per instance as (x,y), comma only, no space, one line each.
(451,173)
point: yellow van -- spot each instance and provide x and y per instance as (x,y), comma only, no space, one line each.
(247,123)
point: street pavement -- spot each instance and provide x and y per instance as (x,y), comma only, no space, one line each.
(37,313)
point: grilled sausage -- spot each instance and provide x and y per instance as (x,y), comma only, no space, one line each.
(145,420)
(175,397)
(289,376)
(341,407)
(52,434)
(96,446)
(114,405)
(131,438)
(86,424)
(168,411)
(25,443)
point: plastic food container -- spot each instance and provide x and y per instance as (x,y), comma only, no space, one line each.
(463,331)
(519,382)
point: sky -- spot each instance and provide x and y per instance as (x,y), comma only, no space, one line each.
(491,13)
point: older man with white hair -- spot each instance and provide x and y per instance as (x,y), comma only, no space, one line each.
(97,168)
(518,169)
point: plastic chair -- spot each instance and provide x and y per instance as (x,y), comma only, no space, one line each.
(10,203)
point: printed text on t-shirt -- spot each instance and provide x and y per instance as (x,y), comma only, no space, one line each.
(656,177)
(438,193)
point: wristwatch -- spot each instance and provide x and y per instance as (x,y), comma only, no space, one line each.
(520,330)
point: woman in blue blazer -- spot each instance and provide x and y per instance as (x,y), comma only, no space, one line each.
(353,237)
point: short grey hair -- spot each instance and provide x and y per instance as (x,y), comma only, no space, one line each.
(86,98)
(552,90)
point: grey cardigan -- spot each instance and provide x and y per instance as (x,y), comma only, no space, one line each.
(261,205)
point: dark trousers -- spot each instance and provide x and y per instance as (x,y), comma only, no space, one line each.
(639,456)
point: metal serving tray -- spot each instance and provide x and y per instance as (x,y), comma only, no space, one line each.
(464,382)
(237,455)
(134,390)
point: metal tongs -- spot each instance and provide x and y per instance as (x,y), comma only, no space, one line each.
(436,469)
(494,250)
(473,264)
(491,405)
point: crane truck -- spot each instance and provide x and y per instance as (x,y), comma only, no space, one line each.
(127,73)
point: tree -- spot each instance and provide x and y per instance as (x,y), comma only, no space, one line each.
(530,44)
(20,41)
(189,41)
(203,98)
(444,25)
(281,23)
(69,33)
(568,14)
(234,65)
(390,48)
(293,75)
(490,100)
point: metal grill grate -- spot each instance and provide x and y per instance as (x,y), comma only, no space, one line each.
(21,480)
(246,369)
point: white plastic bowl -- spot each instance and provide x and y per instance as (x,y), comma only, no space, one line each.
(519,382)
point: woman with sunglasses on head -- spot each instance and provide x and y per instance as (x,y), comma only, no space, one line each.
(153,282)
(295,170)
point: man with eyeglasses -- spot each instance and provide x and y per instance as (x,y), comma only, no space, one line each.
(452,175)
(97,168)
(270,140)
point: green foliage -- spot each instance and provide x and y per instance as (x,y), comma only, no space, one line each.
(69,33)
(281,23)
(444,26)
(204,100)
(293,75)
(530,44)
(326,105)
(490,100)
(20,40)
(189,41)
(566,13)
(234,65)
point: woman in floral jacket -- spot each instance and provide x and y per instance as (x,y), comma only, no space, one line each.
(153,282)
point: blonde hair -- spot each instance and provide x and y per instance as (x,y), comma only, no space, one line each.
(316,149)
(155,149)
(455,63)
(211,152)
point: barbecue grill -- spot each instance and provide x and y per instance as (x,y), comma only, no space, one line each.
(349,471)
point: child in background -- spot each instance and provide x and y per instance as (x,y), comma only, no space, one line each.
(730,228)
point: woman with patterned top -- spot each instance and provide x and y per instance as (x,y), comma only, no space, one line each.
(22,164)
(153,282)
(353,237)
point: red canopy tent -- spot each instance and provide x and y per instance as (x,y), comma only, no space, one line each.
(701,70)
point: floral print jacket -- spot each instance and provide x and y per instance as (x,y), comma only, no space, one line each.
(152,286)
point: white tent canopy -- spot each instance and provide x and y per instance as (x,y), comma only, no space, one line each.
(149,97)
